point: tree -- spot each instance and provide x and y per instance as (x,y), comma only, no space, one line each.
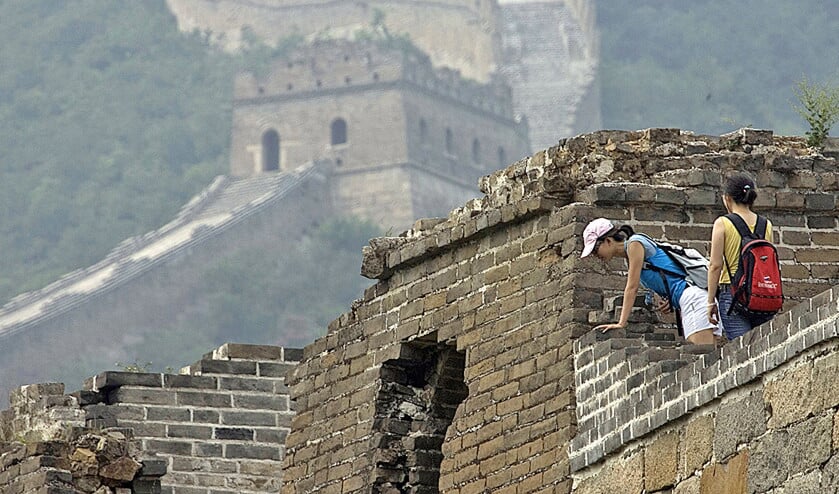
(819,107)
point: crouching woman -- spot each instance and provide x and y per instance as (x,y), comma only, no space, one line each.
(651,267)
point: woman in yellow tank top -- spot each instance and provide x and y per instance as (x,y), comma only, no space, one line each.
(738,196)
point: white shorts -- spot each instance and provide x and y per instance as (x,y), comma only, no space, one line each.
(694,307)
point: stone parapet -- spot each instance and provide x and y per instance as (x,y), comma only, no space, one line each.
(86,461)
(756,416)
(219,425)
(658,167)
(646,395)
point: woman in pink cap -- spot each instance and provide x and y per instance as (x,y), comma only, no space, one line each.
(651,267)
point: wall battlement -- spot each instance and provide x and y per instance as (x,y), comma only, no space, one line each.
(333,66)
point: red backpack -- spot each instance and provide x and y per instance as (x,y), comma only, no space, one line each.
(756,286)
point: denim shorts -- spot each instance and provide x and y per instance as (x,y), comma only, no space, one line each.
(736,324)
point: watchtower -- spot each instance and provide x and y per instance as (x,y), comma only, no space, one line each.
(407,140)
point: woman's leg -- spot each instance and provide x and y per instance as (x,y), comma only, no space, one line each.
(733,324)
(703,337)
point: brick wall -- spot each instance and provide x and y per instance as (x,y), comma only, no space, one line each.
(758,415)
(218,427)
(500,282)
(45,448)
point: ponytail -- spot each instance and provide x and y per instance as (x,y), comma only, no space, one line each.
(621,233)
(741,189)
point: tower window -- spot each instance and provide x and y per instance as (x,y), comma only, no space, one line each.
(270,150)
(449,141)
(339,131)
(502,157)
(423,130)
(476,151)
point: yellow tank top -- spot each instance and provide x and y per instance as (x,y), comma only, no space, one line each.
(731,249)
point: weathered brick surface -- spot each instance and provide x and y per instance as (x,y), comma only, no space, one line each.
(82,461)
(500,280)
(219,427)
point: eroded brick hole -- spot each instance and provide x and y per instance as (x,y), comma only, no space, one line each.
(418,399)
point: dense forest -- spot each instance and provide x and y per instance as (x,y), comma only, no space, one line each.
(111,119)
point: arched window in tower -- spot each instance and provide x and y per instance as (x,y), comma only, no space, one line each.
(476,151)
(423,131)
(270,150)
(339,131)
(449,141)
(502,157)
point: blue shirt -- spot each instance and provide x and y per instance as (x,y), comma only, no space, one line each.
(651,279)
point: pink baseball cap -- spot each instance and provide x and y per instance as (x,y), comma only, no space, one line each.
(594,231)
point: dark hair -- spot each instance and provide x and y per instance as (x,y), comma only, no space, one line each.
(619,234)
(741,188)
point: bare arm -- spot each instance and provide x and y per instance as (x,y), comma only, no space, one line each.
(635,253)
(715,266)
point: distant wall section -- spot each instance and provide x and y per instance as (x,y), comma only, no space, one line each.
(550,56)
(145,307)
(461,34)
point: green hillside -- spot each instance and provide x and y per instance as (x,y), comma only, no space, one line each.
(109,122)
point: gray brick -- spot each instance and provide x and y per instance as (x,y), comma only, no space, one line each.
(780,454)
(246,384)
(168,414)
(143,486)
(213,400)
(153,467)
(145,428)
(277,436)
(210,465)
(273,369)
(825,222)
(189,431)
(116,412)
(817,201)
(205,416)
(277,403)
(249,418)
(144,396)
(252,451)
(114,379)
(181,448)
(181,489)
(738,422)
(206,449)
(226,367)
(187,381)
(250,352)
(234,433)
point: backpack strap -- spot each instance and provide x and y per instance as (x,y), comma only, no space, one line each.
(745,234)
(760,227)
(742,228)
